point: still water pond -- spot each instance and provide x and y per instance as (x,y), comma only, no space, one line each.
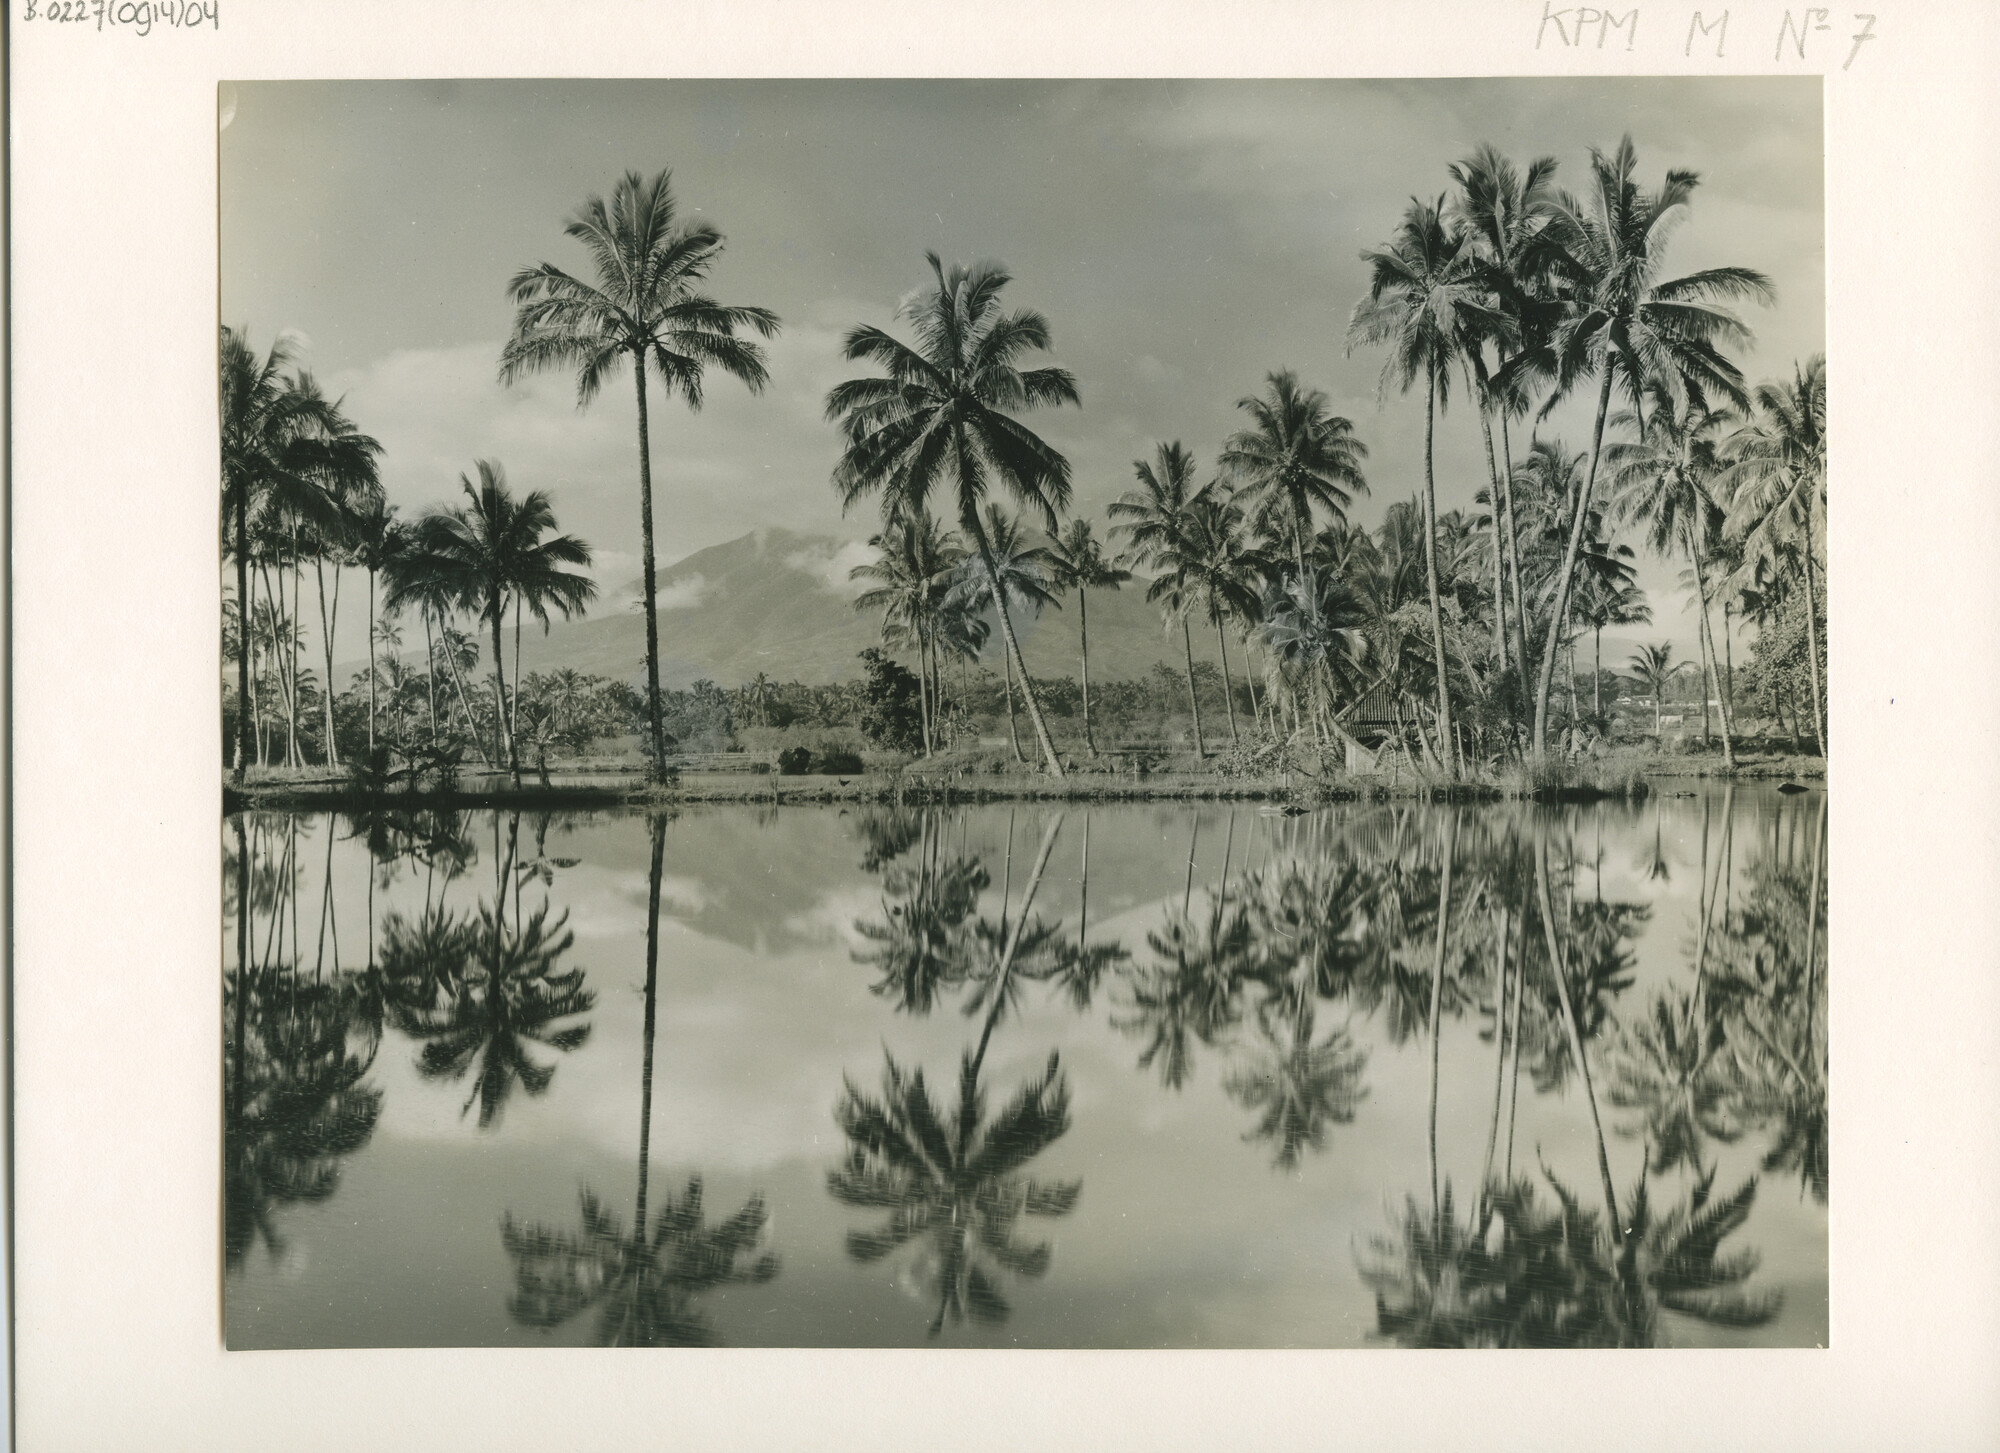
(1126,1076)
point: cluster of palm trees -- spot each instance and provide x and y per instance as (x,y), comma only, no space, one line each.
(1522,292)
(301,484)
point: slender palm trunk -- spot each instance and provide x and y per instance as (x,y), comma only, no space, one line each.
(514,697)
(1728,658)
(297,639)
(655,715)
(371,661)
(1558,618)
(245,614)
(1499,1062)
(464,702)
(430,674)
(1437,993)
(1445,738)
(652,998)
(1561,973)
(1514,1042)
(1478,363)
(1228,688)
(1083,637)
(1597,676)
(327,623)
(1812,628)
(1013,724)
(503,747)
(924,690)
(1514,554)
(242,957)
(1714,684)
(1013,941)
(978,534)
(1194,701)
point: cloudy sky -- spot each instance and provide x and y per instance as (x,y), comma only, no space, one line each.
(1184,239)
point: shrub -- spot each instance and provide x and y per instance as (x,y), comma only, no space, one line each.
(795,761)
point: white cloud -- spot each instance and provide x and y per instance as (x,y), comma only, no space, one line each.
(684,593)
(832,567)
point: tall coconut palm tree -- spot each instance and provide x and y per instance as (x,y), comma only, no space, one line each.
(1424,300)
(286,449)
(944,413)
(1154,521)
(1081,565)
(1661,480)
(1620,321)
(1296,457)
(648,303)
(1775,480)
(496,547)
(1502,211)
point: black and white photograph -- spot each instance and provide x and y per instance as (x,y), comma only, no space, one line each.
(1024,713)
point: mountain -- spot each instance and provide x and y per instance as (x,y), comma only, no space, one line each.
(780,602)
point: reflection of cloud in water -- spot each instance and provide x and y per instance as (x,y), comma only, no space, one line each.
(831,920)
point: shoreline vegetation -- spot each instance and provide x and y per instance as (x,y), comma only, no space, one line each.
(1628,774)
(1436,655)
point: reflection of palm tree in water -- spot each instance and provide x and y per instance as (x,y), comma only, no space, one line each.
(293,1099)
(485,991)
(644,1282)
(951,1180)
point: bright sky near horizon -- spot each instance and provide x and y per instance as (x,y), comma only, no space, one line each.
(1184,239)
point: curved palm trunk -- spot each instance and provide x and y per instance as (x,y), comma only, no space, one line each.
(654,714)
(978,533)
(1228,689)
(1006,969)
(1559,617)
(245,614)
(1083,635)
(1708,654)
(652,999)
(924,690)
(1445,739)
(1194,701)
(1561,973)
(1437,993)
(1013,724)
(465,703)
(1812,628)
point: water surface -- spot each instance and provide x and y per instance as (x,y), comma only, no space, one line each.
(1128,1076)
